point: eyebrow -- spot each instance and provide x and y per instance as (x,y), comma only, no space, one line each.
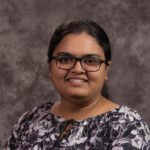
(69,54)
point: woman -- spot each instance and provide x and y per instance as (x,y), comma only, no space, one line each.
(79,58)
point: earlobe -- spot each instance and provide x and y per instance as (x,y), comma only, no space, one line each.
(108,66)
(107,69)
(109,63)
(106,78)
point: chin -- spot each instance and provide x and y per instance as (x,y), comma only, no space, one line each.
(78,96)
(75,93)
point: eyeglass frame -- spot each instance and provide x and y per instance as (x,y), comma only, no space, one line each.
(80,60)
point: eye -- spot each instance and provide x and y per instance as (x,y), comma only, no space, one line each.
(91,61)
(65,59)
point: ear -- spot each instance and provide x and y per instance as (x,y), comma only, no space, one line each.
(107,69)
(50,70)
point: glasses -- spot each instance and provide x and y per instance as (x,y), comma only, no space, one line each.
(90,63)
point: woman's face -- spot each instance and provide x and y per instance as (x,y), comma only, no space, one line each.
(77,83)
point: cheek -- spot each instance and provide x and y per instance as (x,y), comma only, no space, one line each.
(97,79)
(57,75)
(99,75)
(55,78)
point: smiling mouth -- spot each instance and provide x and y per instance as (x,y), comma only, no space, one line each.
(77,80)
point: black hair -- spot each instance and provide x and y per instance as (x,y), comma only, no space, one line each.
(79,26)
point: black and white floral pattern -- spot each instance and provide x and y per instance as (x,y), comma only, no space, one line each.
(119,129)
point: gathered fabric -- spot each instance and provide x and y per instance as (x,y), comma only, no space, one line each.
(121,128)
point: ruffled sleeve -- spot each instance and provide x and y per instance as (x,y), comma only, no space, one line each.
(135,133)
(20,138)
(14,139)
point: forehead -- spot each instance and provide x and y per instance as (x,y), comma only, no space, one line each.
(79,44)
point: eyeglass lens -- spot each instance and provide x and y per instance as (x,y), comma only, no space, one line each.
(88,63)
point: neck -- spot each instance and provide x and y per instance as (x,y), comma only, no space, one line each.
(74,109)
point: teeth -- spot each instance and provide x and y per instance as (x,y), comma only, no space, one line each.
(76,80)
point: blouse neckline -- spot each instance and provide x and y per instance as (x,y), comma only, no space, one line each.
(87,119)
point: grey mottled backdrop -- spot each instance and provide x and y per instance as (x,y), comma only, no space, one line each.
(25,30)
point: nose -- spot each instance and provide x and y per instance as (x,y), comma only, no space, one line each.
(77,67)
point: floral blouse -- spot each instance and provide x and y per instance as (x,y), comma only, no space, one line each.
(119,129)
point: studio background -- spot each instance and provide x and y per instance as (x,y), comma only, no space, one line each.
(25,31)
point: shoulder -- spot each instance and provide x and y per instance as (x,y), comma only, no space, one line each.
(128,126)
(125,113)
(32,116)
(25,123)
(125,116)
(129,113)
